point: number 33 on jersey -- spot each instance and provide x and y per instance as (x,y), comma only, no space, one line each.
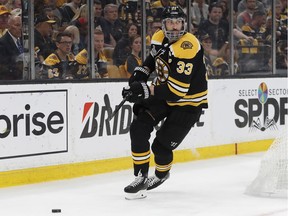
(180,67)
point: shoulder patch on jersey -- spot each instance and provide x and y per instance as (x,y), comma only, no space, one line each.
(186,45)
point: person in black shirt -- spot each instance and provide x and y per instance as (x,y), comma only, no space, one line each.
(111,25)
(11,51)
(215,26)
(42,33)
(122,49)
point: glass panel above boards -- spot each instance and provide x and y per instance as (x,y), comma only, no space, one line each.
(84,40)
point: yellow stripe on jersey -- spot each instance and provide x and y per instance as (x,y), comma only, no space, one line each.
(174,91)
(186,47)
(191,100)
(201,94)
(177,82)
(178,88)
(195,104)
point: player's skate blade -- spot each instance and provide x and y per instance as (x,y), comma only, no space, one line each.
(139,195)
(154,181)
(137,189)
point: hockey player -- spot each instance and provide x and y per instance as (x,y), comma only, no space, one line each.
(178,96)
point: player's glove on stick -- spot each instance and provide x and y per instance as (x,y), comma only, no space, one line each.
(136,91)
(140,73)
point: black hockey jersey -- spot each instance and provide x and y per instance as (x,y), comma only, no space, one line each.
(181,72)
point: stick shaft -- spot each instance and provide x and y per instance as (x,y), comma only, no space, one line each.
(118,107)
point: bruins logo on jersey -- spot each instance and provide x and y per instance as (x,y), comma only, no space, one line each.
(186,45)
(162,70)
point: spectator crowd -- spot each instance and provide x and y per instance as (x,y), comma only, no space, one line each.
(61,36)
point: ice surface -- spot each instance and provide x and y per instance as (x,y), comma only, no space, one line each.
(198,188)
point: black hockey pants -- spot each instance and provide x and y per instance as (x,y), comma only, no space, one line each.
(177,123)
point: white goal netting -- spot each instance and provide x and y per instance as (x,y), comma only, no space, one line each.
(272,178)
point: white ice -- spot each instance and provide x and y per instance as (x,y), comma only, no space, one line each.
(199,188)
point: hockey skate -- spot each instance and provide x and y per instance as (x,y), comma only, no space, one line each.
(154,181)
(137,189)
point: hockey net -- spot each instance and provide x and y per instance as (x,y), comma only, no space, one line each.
(272,178)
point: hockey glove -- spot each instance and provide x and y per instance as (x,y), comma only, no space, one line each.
(140,73)
(136,91)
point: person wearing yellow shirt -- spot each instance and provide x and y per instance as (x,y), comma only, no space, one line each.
(100,61)
(58,64)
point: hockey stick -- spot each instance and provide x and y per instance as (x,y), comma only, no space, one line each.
(118,107)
